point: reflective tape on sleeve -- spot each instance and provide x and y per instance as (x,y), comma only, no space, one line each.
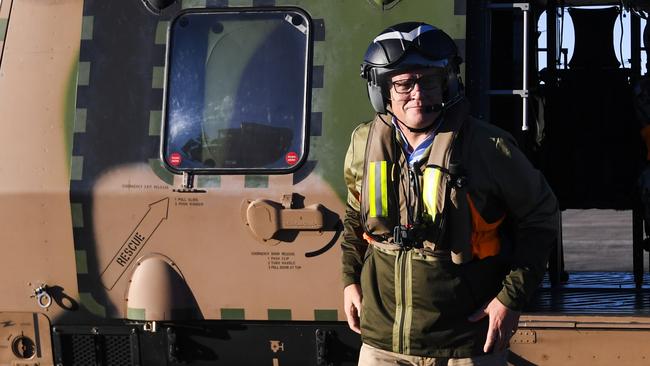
(384,189)
(378,186)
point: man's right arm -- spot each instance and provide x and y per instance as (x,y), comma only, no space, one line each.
(353,249)
(353,246)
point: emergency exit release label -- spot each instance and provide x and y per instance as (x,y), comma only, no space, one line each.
(279,261)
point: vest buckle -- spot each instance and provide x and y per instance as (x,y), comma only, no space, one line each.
(457,176)
(406,236)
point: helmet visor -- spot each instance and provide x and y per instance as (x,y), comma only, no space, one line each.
(426,40)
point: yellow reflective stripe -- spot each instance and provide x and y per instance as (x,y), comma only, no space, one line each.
(436,184)
(384,189)
(430,192)
(427,192)
(433,190)
(371,187)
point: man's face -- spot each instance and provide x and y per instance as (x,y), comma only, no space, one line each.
(414,94)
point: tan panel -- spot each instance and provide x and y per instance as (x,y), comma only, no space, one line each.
(584,347)
(5,5)
(583,321)
(581,340)
(39,57)
(25,339)
(205,236)
(35,225)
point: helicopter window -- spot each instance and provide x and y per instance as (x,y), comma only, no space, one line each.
(237,94)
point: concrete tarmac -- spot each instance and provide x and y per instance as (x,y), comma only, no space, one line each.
(598,240)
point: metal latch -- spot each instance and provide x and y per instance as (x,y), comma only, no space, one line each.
(265,218)
(150,327)
(187,185)
(43,298)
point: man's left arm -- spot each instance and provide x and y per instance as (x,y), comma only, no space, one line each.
(533,208)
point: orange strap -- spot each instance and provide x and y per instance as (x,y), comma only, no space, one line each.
(485,236)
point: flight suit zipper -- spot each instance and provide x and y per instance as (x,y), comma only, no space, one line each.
(403,288)
(403,312)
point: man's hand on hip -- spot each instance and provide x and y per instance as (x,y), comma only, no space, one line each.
(352,305)
(503,324)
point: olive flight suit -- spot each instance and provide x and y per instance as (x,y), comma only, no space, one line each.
(482,219)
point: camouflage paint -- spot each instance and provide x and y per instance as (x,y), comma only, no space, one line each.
(135,314)
(3,28)
(76,167)
(89,302)
(279,314)
(233,314)
(81,261)
(87,28)
(326,315)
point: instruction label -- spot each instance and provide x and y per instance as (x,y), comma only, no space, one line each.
(138,186)
(279,261)
(187,202)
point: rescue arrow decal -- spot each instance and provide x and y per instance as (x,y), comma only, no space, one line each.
(135,242)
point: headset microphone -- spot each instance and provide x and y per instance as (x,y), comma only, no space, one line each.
(434,108)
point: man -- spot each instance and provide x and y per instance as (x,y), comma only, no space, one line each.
(429,278)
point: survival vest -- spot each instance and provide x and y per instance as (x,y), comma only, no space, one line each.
(422,206)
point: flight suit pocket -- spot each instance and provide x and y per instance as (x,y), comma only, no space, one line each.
(441,287)
(378,305)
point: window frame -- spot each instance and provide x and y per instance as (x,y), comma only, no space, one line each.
(306,118)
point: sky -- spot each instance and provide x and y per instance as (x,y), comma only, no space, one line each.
(568,38)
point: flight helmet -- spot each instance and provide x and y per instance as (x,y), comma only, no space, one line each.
(408,46)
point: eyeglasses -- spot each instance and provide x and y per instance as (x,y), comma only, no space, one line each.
(426,82)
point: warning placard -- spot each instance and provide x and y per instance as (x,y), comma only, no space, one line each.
(279,261)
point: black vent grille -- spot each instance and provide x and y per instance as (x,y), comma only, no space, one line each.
(92,350)
(82,350)
(118,351)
